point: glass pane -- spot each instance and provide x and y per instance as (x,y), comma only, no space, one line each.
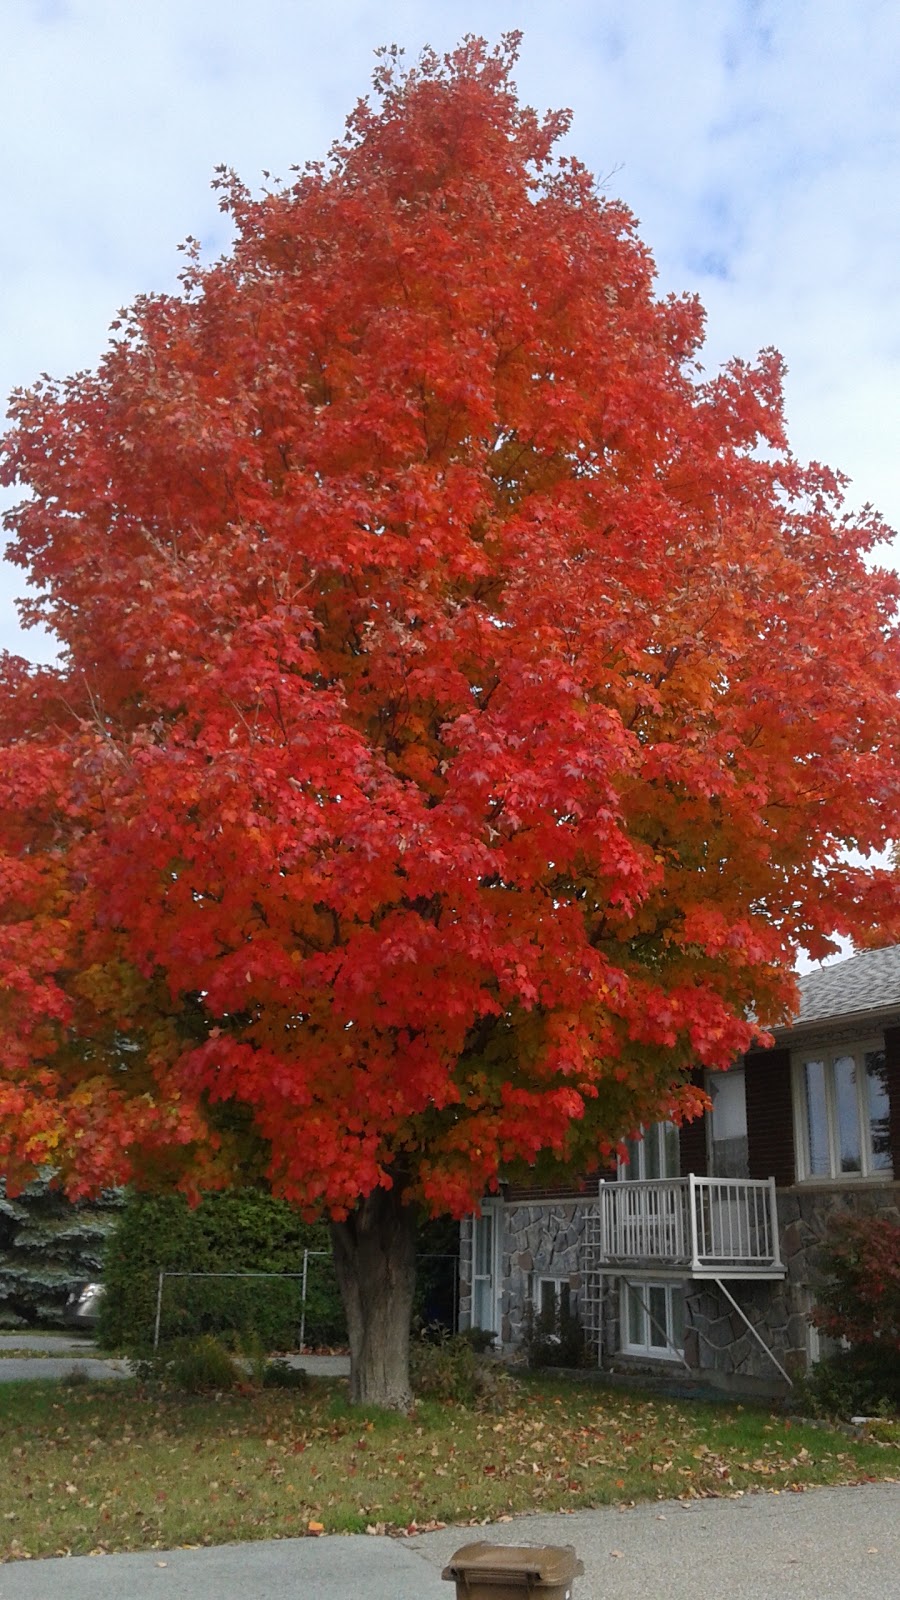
(671,1162)
(818,1156)
(482,1305)
(729,1105)
(633,1167)
(635,1318)
(677,1322)
(878,1106)
(652,1152)
(847,1111)
(656,1302)
(548,1299)
(484,1241)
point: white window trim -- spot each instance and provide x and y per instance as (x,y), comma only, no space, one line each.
(668,1352)
(858,1048)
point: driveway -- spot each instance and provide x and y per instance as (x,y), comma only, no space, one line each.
(827,1544)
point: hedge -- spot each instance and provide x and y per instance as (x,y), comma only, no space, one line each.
(234,1232)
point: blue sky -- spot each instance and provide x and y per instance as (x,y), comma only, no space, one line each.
(757,142)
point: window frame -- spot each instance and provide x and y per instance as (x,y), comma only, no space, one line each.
(671,1351)
(489,1282)
(663,1136)
(828,1052)
(564,1299)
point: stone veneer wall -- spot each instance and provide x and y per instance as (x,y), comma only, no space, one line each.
(717,1341)
(540,1240)
(546,1240)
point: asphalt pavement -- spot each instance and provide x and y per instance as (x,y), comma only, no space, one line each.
(59,1355)
(826,1544)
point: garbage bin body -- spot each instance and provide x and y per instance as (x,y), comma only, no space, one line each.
(513,1572)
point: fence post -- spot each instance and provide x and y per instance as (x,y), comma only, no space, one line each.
(303,1301)
(159,1290)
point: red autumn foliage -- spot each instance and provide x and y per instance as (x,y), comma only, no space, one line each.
(859,1292)
(463,701)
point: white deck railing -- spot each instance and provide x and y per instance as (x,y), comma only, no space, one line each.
(703,1224)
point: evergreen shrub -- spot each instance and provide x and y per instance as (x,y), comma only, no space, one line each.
(48,1245)
(554,1337)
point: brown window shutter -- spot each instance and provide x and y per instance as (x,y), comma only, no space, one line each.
(692,1146)
(770,1116)
(892,1064)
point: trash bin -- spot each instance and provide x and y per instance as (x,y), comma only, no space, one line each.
(513,1571)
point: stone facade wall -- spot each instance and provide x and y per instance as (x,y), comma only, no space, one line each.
(540,1240)
(720,1341)
(547,1240)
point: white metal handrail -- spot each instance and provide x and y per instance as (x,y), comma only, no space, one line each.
(700,1223)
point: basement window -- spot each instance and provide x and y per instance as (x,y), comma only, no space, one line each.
(652,1319)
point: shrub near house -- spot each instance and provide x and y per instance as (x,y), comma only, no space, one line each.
(858,1303)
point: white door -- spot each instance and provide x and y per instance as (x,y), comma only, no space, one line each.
(486,1268)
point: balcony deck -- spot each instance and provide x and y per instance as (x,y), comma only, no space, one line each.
(702,1227)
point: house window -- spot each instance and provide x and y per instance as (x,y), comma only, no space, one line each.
(653,1319)
(485,1268)
(842,1113)
(727,1124)
(654,1155)
(554,1299)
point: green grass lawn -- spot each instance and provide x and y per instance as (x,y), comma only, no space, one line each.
(101,1467)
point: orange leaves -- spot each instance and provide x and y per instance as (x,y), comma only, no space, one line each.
(460,718)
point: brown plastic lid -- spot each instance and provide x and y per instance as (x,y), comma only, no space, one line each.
(538,1563)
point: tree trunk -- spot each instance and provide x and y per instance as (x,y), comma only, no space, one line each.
(375,1261)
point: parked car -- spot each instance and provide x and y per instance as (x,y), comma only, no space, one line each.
(83,1304)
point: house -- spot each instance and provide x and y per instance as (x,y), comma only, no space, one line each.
(699,1253)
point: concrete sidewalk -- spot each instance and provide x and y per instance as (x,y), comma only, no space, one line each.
(827,1544)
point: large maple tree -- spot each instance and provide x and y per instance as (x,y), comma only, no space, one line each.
(463,708)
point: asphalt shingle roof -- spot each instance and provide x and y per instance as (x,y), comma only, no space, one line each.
(869,981)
